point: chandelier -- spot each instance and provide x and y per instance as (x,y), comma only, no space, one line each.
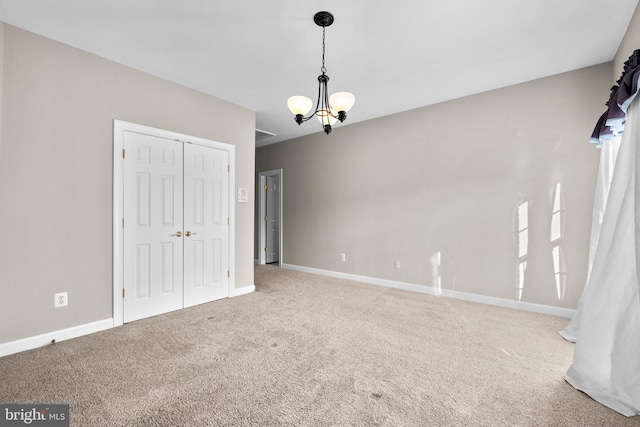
(329,109)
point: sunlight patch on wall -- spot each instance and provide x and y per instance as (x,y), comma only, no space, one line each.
(522,239)
(436,274)
(557,232)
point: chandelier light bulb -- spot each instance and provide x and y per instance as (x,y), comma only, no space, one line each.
(327,118)
(299,104)
(342,101)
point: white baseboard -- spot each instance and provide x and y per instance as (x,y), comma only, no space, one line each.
(78,331)
(483,299)
(242,291)
(61,335)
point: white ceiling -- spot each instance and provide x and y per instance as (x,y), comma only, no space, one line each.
(394,56)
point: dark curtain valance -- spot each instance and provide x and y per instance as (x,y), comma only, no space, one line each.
(611,123)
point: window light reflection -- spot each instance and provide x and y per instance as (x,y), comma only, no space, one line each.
(557,217)
(436,275)
(522,236)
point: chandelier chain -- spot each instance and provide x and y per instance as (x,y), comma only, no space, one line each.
(323,69)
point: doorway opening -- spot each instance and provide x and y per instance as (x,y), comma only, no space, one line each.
(270,217)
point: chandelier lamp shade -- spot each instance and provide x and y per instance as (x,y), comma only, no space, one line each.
(329,109)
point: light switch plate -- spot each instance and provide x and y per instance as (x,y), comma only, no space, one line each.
(243,195)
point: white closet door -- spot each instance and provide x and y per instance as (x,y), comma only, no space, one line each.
(206,224)
(153,212)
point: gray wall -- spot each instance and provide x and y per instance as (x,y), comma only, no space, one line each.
(56,175)
(630,42)
(448,178)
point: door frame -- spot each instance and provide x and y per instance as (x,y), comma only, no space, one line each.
(262,212)
(119,128)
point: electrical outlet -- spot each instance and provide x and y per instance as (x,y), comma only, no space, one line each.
(396,264)
(61,299)
(343,257)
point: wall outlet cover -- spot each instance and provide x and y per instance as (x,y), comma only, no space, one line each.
(61,299)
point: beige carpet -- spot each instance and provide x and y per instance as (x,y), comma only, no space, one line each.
(306,350)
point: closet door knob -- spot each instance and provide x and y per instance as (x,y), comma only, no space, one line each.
(189,234)
(178,234)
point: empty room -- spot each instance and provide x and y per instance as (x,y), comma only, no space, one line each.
(319,213)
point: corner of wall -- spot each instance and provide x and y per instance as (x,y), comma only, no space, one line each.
(628,44)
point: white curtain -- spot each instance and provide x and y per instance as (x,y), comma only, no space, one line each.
(608,156)
(606,327)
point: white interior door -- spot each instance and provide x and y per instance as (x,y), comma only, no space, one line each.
(176,225)
(153,248)
(206,224)
(149,226)
(273,219)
